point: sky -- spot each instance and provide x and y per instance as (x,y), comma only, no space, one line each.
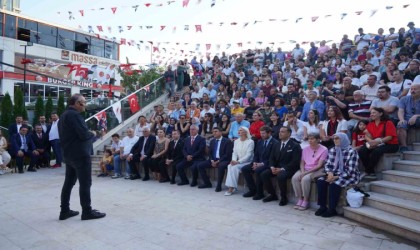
(226,11)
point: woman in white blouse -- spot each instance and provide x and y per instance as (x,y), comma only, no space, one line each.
(243,153)
(4,155)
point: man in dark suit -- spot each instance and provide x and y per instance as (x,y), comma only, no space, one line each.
(141,152)
(22,145)
(260,163)
(220,155)
(41,142)
(15,127)
(174,155)
(284,162)
(194,152)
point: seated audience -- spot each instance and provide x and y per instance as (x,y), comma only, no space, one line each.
(22,145)
(408,115)
(174,155)
(333,125)
(159,156)
(234,128)
(141,152)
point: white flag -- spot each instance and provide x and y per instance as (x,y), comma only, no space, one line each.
(116,107)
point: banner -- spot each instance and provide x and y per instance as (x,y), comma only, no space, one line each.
(116,107)
(134,103)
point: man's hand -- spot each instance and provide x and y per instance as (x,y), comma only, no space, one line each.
(168,162)
(129,157)
(233,163)
(412,120)
(402,122)
(257,165)
(154,156)
(214,164)
(189,157)
(20,153)
(142,157)
(35,152)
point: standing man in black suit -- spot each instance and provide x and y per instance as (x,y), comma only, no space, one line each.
(260,163)
(174,155)
(15,127)
(284,162)
(40,139)
(22,145)
(220,155)
(194,153)
(141,152)
(76,142)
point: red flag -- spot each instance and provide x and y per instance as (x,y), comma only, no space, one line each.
(83,72)
(73,67)
(123,41)
(114,9)
(134,103)
(155,49)
(100,115)
(198,28)
(129,27)
(314,18)
(208,46)
(147,4)
(185,3)
(162,27)
(82,12)
(99,28)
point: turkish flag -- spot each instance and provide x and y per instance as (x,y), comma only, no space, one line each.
(73,67)
(83,72)
(134,103)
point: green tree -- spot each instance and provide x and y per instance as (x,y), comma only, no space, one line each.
(39,109)
(49,107)
(60,105)
(19,105)
(6,117)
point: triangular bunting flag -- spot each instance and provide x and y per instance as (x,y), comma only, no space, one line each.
(113,9)
(129,27)
(208,46)
(185,3)
(343,15)
(147,4)
(297,20)
(239,44)
(314,18)
(358,12)
(198,28)
(162,27)
(373,12)
(82,12)
(135,7)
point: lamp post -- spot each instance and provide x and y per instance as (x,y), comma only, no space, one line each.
(28,44)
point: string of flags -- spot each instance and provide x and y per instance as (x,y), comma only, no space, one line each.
(72,14)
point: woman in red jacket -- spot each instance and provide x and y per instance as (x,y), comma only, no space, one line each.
(254,129)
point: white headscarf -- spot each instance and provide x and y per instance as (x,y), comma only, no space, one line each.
(248,135)
(344,144)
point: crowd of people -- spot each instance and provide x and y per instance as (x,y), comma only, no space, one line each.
(304,116)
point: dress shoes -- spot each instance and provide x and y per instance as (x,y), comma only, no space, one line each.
(182,183)
(146,178)
(134,177)
(93,214)
(218,189)
(329,213)
(67,214)
(173,182)
(248,194)
(205,185)
(193,184)
(270,198)
(283,202)
(258,197)
(320,211)
(21,172)
(31,170)
(163,180)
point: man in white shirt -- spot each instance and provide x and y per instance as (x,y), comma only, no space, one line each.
(361,40)
(399,87)
(391,37)
(298,52)
(127,143)
(368,72)
(206,109)
(295,125)
(370,90)
(55,140)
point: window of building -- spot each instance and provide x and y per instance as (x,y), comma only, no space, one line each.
(66,39)
(36,90)
(110,50)
(51,91)
(47,35)
(10,27)
(1,24)
(27,30)
(81,47)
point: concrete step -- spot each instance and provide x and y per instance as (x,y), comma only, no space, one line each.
(400,190)
(395,224)
(404,177)
(408,166)
(96,157)
(416,146)
(395,205)
(412,156)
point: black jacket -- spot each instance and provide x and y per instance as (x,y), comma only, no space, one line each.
(149,147)
(288,158)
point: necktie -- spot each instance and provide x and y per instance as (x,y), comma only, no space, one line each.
(175,144)
(40,136)
(282,146)
(192,140)
(265,144)
(25,146)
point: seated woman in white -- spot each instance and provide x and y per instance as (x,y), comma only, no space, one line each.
(243,153)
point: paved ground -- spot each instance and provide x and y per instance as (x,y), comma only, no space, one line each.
(149,215)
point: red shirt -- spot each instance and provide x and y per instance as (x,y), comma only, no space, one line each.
(359,138)
(378,131)
(254,129)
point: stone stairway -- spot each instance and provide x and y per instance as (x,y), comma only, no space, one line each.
(394,202)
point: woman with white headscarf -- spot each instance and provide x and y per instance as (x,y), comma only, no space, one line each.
(243,153)
(341,171)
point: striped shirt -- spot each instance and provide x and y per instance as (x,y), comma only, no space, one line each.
(360,109)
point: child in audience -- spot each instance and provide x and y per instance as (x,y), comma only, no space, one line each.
(359,134)
(106,163)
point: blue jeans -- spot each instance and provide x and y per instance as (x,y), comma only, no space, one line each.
(170,87)
(117,167)
(55,144)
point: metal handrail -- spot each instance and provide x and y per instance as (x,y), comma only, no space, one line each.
(144,87)
(4,128)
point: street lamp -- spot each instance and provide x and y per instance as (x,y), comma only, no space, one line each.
(25,61)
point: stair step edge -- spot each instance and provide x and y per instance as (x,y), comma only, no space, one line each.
(396,185)
(393,200)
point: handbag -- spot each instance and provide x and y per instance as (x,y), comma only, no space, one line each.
(354,198)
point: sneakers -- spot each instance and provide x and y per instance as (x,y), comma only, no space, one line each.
(403,149)
(116,176)
(92,215)
(67,214)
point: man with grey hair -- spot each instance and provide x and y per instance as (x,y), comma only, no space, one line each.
(358,109)
(194,153)
(127,143)
(141,152)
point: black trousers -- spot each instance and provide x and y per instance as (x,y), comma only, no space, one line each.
(144,163)
(332,190)
(19,160)
(173,169)
(221,169)
(77,169)
(258,185)
(180,167)
(281,180)
(371,157)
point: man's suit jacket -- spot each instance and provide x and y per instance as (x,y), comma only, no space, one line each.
(263,154)
(13,130)
(288,158)
(225,151)
(42,143)
(176,154)
(17,143)
(149,147)
(197,150)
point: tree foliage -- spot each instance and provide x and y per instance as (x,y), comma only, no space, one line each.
(49,106)
(39,109)
(6,117)
(19,105)
(135,79)
(60,105)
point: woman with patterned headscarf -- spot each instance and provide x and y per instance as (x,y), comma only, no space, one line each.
(341,171)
